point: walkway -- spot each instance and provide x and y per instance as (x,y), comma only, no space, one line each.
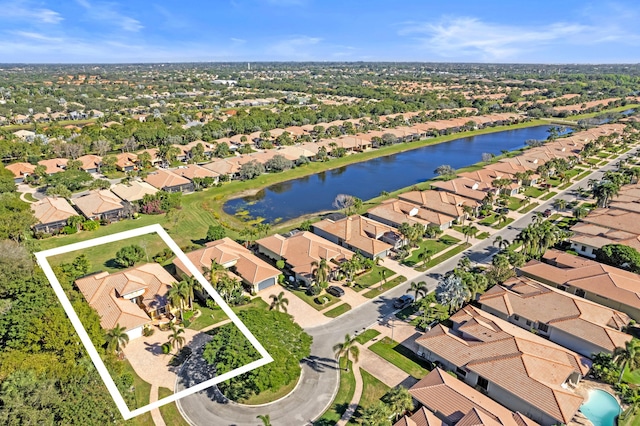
(155,413)
(357,394)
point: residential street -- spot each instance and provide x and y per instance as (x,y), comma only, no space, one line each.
(320,376)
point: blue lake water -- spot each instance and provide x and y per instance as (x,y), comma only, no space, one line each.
(365,180)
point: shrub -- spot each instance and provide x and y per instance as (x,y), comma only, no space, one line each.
(91,225)
(69,230)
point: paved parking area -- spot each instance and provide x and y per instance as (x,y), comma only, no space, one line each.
(303,314)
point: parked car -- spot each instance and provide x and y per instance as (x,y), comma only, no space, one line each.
(403,301)
(547,213)
(335,291)
(503,210)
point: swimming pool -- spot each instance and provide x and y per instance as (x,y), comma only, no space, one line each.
(601,408)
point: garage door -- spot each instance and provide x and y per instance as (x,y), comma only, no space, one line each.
(134,333)
(266,283)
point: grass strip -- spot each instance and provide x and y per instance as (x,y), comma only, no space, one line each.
(367,335)
(528,208)
(384,287)
(443,257)
(338,310)
(170,412)
(400,356)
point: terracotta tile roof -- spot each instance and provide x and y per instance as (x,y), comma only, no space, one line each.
(399,211)
(422,417)
(52,209)
(612,283)
(458,403)
(104,292)
(90,161)
(223,167)
(192,171)
(615,219)
(97,202)
(440,201)
(54,165)
(126,159)
(133,191)
(162,178)
(359,232)
(597,236)
(464,187)
(489,347)
(534,301)
(486,175)
(228,253)
(304,248)
(20,169)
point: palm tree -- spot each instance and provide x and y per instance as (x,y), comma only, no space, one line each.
(321,271)
(452,292)
(419,289)
(279,302)
(347,348)
(187,285)
(399,400)
(177,295)
(117,339)
(376,415)
(502,243)
(580,211)
(468,231)
(214,272)
(560,204)
(266,420)
(176,340)
(629,356)
(425,256)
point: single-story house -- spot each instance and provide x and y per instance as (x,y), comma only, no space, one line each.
(359,234)
(586,238)
(133,298)
(442,202)
(192,171)
(90,163)
(133,191)
(54,165)
(465,187)
(168,181)
(488,176)
(302,251)
(446,400)
(612,287)
(52,214)
(126,161)
(100,205)
(577,324)
(394,212)
(514,367)
(20,171)
(254,272)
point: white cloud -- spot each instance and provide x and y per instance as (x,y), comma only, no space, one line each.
(25,11)
(464,36)
(238,40)
(299,47)
(37,36)
(102,11)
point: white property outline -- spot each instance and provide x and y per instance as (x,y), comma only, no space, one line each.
(41,258)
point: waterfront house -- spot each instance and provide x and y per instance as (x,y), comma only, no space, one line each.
(169,181)
(100,205)
(360,234)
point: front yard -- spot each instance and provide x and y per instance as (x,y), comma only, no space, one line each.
(374,276)
(400,356)
(430,246)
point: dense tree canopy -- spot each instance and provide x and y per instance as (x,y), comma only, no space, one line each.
(285,341)
(620,256)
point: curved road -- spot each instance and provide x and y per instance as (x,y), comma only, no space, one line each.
(319,374)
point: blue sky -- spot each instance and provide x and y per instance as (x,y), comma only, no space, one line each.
(541,31)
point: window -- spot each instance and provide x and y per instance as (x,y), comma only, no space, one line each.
(461,372)
(528,323)
(483,383)
(583,248)
(516,317)
(543,327)
(580,293)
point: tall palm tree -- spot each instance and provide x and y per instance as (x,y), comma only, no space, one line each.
(176,339)
(117,339)
(279,302)
(399,400)
(502,243)
(468,231)
(629,356)
(177,295)
(418,289)
(376,415)
(425,256)
(347,349)
(321,271)
(560,204)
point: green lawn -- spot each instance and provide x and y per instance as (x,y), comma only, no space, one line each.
(434,246)
(368,334)
(602,154)
(407,312)
(565,186)
(372,277)
(483,235)
(533,192)
(207,317)
(593,161)
(29,197)
(548,196)
(372,390)
(338,310)
(311,300)
(573,172)
(341,402)
(489,220)
(515,203)
(141,394)
(567,222)
(379,289)
(528,208)
(448,255)
(503,224)
(583,175)
(401,357)
(170,412)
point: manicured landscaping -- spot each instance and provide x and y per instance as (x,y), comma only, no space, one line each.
(501,225)
(483,235)
(141,391)
(400,356)
(448,255)
(549,196)
(528,208)
(367,335)
(311,300)
(432,246)
(372,390)
(583,175)
(170,412)
(268,395)
(29,197)
(338,310)
(533,192)
(488,220)
(341,402)
(515,203)
(565,186)
(372,277)
(384,287)
(207,317)
(407,312)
